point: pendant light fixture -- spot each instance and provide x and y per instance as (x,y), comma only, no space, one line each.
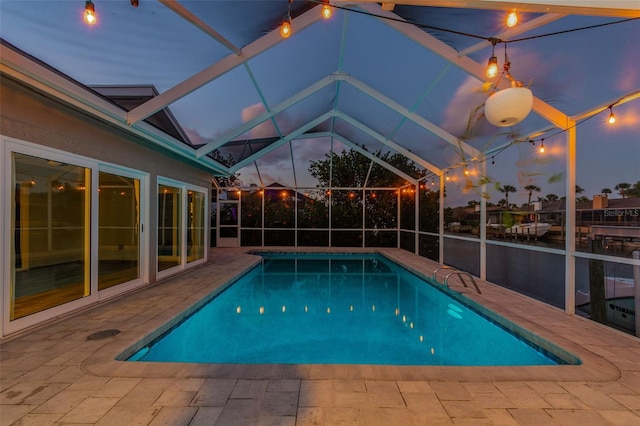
(90,13)
(326,10)
(512,18)
(285,28)
(492,65)
(612,116)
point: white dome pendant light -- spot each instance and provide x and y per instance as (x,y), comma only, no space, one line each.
(510,106)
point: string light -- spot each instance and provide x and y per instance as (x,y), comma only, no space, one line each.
(90,13)
(285,29)
(466,170)
(492,65)
(493,161)
(512,18)
(135,3)
(541,146)
(447,177)
(326,10)
(612,116)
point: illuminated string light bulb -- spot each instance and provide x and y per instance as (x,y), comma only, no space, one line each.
(612,116)
(492,65)
(326,10)
(466,170)
(447,178)
(541,149)
(90,13)
(285,29)
(512,18)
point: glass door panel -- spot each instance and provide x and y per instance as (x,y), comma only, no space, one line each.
(50,231)
(118,230)
(195,226)
(169,227)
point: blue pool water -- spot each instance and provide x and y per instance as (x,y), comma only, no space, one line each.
(338,309)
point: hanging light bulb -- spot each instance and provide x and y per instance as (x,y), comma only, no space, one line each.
(285,29)
(493,161)
(492,65)
(541,149)
(90,13)
(612,116)
(447,178)
(512,18)
(326,10)
(466,170)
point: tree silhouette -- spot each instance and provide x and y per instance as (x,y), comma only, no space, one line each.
(605,191)
(579,189)
(622,189)
(634,191)
(531,189)
(552,197)
(506,189)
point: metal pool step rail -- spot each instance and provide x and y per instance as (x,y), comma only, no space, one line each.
(461,274)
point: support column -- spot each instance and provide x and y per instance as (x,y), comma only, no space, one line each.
(570,226)
(441,221)
(483,222)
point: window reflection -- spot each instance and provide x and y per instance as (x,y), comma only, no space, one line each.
(169,227)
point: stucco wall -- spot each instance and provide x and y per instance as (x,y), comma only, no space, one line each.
(32,117)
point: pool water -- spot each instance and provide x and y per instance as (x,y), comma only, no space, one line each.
(338,309)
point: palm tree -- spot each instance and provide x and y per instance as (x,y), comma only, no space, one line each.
(506,189)
(579,189)
(622,188)
(552,197)
(605,191)
(531,188)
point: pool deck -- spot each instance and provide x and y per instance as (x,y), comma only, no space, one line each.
(54,375)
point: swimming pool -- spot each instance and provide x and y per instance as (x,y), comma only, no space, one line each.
(338,309)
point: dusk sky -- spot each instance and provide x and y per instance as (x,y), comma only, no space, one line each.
(573,72)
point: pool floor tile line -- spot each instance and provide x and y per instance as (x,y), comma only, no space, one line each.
(54,375)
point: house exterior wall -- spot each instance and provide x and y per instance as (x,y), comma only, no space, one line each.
(36,120)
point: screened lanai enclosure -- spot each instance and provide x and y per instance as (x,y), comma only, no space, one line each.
(381,126)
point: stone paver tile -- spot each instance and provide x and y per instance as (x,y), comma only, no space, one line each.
(347,385)
(90,410)
(69,374)
(592,397)
(206,416)
(88,382)
(11,413)
(423,401)
(612,388)
(309,416)
(488,400)
(450,391)
(522,395)
(577,417)
(499,416)
(565,401)
(129,415)
(284,385)
(116,387)
(175,398)
(275,421)
(384,394)
(532,417)
(191,384)
(477,388)
(414,387)
(38,420)
(214,393)
(546,387)
(146,392)
(63,401)
(279,404)
(632,402)
(341,416)
(463,409)
(621,418)
(249,389)
(31,393)
(386,416)
(174,416)
(316,393)
(239,412)
(351,399)
(42,373)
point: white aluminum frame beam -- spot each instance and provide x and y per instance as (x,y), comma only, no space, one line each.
(201,25)
(622,8)
(219,68)
(391,144)
(375,159)
(449,54)
(277,144)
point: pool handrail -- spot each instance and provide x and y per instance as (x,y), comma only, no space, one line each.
(439,268)
(462,274)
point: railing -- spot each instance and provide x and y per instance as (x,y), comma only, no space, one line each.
(462,274)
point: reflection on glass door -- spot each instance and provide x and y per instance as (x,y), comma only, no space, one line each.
(195,226)
(50,229)
(169,227)
(118,230)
